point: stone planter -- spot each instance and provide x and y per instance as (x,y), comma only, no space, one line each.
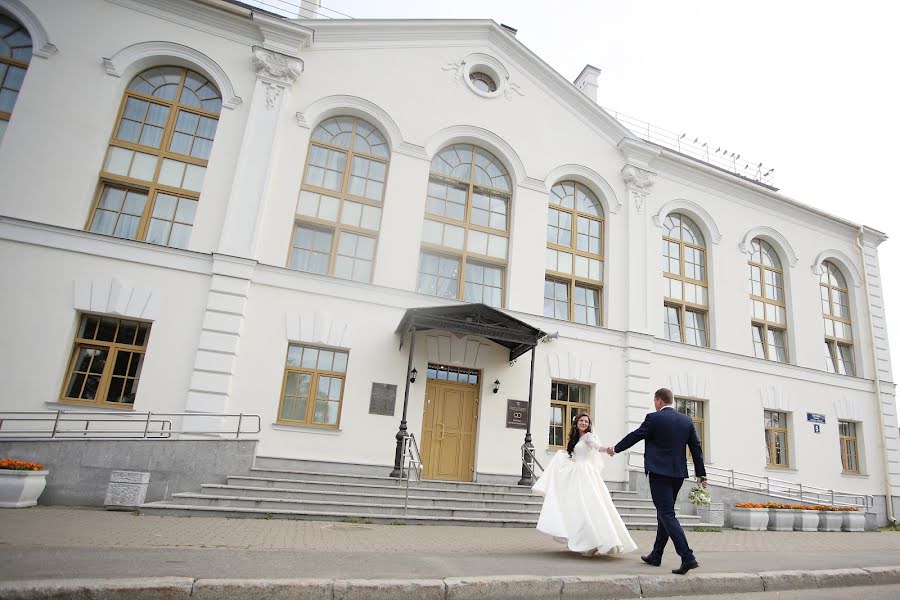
(21,488)
(853,520)
(750,519)
(806,520)
(714,514)
(781,519)
(830,520)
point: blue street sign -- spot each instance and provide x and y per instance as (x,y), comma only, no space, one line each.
(815,418)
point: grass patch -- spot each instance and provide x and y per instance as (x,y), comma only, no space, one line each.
(890,528)
(707,529)
(358,521)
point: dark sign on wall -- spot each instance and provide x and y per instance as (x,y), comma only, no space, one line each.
(517,414)
(383,399)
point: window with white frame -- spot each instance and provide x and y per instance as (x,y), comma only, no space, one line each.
(686,303)
(157,157)
(341,199)
(573,286)
(465,236)
(769,322)
(836,316)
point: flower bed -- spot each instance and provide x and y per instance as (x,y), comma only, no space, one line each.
(796,517)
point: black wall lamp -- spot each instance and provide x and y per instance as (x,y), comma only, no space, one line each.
(412,375)
(496,385)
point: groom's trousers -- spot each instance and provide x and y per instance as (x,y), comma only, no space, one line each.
(664,491)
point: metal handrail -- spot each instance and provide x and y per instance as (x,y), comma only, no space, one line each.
(411,461)
(530,452)
(777,488)
(142,425)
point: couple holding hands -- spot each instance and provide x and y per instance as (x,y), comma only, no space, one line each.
(578,509)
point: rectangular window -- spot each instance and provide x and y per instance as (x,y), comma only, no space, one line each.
(695,328)
(313,386)
(438,275)
(587,305)
(107,358)
(556,299)
(484,283)
(776,438)
(354,257)
(672,323)
(566,401)
(849,446)
(693,409)
(839,358)
(311,249)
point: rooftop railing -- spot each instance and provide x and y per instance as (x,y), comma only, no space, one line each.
(698,148)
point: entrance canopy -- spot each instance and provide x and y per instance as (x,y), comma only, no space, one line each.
(474,319)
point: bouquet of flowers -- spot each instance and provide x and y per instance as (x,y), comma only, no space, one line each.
(699,496)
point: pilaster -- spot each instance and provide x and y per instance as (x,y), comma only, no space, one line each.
(275,77)
(220,335)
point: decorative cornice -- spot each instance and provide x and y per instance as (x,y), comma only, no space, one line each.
(571,367)
(775,397)
(771,235)
(638,152)
(281,35)
(40,40)
(232,24)
(693,210)
(131,60)
(590,178)
(317,328)
(704,177)
(690,386)
(276,69)
(846,265)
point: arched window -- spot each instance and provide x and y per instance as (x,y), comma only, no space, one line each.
(466,228)
(769,323)
(573,287)
(836,314)
(686,303)
(154,168)
(339,212)
(15,54)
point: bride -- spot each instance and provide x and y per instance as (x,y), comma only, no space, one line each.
(578,509)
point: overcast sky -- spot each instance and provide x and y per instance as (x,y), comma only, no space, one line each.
(811,88)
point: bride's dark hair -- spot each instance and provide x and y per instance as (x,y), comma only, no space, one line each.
(573,433)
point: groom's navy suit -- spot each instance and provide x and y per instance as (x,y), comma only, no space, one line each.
(666,433)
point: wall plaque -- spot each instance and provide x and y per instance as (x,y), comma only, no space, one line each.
(383,399)
(516,414)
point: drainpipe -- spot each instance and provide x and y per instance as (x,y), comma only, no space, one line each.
(888,497)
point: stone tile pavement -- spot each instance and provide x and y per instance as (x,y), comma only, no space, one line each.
(43,542)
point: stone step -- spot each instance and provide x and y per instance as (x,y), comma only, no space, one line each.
(386,485)
(415,497)
(186,510)
(384,480)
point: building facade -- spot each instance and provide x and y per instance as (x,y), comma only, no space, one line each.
(210,209)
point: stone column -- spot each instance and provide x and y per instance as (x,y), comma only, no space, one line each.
(235,261)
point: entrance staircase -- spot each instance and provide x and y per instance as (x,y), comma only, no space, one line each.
(287,489)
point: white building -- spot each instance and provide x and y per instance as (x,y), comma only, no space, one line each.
(209,209)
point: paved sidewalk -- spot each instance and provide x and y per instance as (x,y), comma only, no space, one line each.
(55,542)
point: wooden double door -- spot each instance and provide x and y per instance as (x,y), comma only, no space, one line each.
(448,430)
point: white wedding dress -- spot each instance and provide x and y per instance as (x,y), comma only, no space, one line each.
(578,509)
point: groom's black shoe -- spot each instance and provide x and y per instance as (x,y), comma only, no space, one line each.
(651,561)
(685,567)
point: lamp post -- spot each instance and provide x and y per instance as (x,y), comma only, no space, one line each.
(528,449)
(411,374)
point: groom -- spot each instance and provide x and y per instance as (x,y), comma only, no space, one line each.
(666,432)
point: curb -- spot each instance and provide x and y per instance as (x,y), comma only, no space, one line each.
(512,587)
